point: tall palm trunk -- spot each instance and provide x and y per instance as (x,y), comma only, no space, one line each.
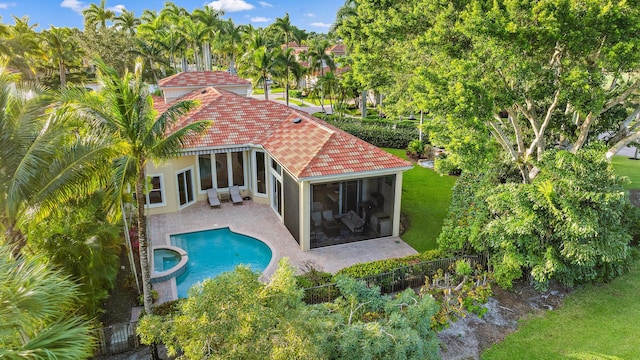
(142,239)
(144,258)
(63,76)
(265,86)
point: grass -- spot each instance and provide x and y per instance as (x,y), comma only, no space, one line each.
(260,90)
(629,168)
(425,200)
(293,101)
(596,322)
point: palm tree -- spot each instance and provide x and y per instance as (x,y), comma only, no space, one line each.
(128,21)
(211,19)
(284,25)
(290,66)
(329,83)
(23,46)
(43,161)
(36,311)
(261,64)
(94,15)
(124,109)
(319,58)
(61,49)
(171,16)
(195,33)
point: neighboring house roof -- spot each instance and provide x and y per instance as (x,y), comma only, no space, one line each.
(306,148)
(201,79)
(337,50)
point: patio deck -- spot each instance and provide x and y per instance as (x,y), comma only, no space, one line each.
(259,221)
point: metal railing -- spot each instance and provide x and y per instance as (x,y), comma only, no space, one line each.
(117,339)
(398,279)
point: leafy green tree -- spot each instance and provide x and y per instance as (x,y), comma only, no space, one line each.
(533,75)
(573,223)
(123,111)
(79,240)
(43,164)
(236,316)
(37,312)
(112,45)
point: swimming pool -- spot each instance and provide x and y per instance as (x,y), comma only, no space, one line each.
(212,252)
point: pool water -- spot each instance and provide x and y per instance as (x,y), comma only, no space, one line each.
(165,259)
(213,252)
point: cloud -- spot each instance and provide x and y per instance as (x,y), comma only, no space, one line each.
(7,5)
(260,19)
(320,24)
(74,5)
(230,5)
(118,8)
(310,15)
(264,4)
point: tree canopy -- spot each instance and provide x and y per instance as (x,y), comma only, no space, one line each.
(533,74)
(236,316)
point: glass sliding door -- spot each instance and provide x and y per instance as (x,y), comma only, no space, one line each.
(184,181)
(204,167)
(261,173)
(222,171)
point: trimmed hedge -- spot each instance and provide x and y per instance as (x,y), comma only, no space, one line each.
(376,131)
(382,266)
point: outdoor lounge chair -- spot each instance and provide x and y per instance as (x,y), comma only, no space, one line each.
(214,201)
(234,192)
(316,218)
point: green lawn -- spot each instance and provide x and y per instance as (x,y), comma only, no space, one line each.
(629,168)
(260,90)
(425,200)
(595,322)
(293,101)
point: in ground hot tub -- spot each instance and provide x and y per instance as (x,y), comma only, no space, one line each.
(168,262)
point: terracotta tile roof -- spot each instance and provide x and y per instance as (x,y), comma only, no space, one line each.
(201,79)
(308,148)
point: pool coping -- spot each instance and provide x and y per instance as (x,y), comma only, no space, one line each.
(158,276)
(267,270)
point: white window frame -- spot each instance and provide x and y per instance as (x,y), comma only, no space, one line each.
(254,173)
(214,170)
(148,204)
(193,188)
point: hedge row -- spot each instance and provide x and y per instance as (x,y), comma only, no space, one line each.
(315,277)
(379,132)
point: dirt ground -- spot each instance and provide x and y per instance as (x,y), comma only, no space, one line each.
(122,297)
(467,337)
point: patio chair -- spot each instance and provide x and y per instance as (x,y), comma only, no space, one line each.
(234,192)
(316,218)
(214,201)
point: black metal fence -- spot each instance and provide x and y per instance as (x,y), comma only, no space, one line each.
(398,279)
(117,339)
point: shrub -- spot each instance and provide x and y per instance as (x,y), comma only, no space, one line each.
(377,267)
(169,307)
(415,149)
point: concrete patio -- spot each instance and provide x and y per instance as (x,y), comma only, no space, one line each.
(260,221)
